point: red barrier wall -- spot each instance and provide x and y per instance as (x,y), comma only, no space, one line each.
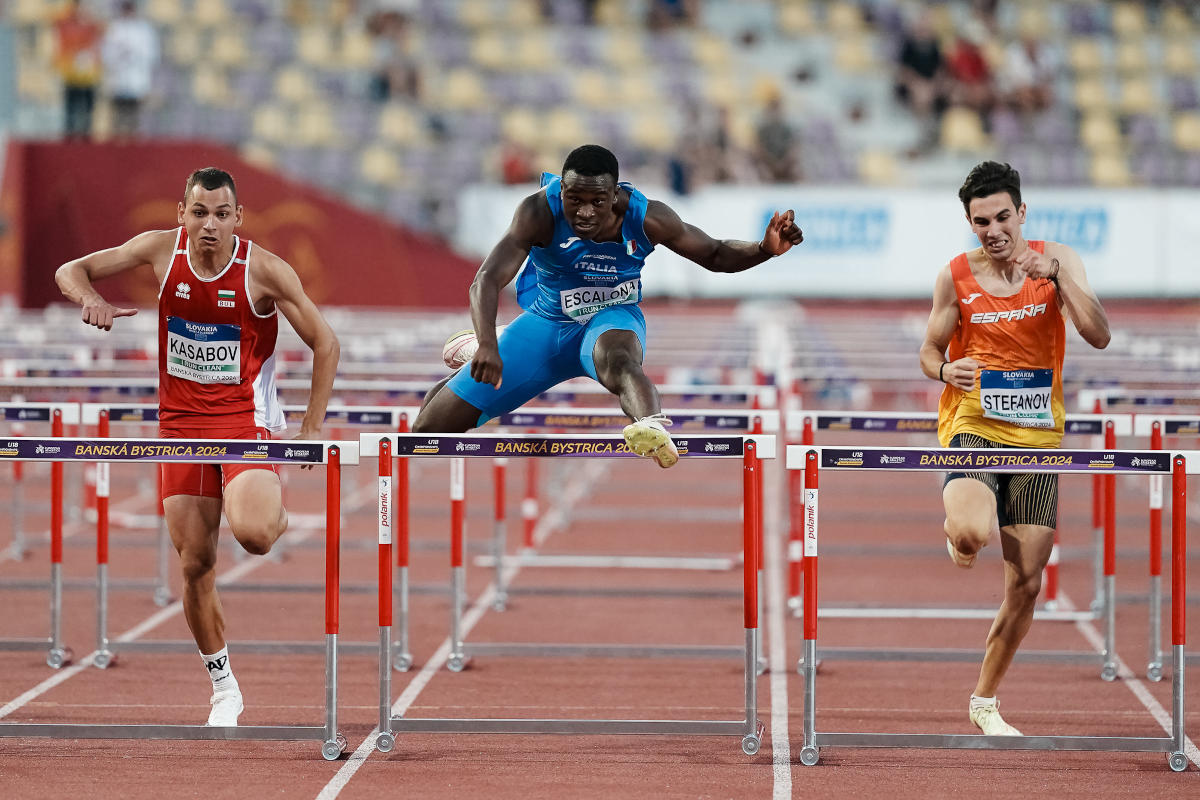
(62,200)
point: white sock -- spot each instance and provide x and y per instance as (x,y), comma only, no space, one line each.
(219,671)
(982,702)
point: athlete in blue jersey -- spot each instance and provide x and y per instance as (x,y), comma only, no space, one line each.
(584,239)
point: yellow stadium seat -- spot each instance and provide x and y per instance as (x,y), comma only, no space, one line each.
(398,125)
(634,90)
(520,125)
(1185,132)
(1131,57)
(293,84)
(357,50)
(258,154)
(1086,57)
(522,14)
(711,52)
(722,89)
(563,129)
(378,165)
(742,131)
(1092,94)
(229,49)
(490,50)
(1137,97)
(594,89)
(651,132)
(32,12)
(796,18)
(210,86)
(476,14)
(844,17)
(1175,22)
(1034,19)
(853,55)
(315,127)
(1110,170)
(962,130)
(272,125)
(878,168)
(212,14)
(613,14)
(184,46)
(1099,132)
(1179,57)
(1128,19)
(533,53)
(314,45)
(463,89)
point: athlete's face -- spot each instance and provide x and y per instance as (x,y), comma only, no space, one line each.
(589,204)
(210,216)
(997,223)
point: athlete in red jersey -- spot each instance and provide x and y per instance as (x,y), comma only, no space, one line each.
(218,300)
(999,309)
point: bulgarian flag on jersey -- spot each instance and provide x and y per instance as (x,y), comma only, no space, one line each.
(226,294)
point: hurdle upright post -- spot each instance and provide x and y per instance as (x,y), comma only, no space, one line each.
(1109,671)
(1098,528)
(58,655)
(386,512)
(457,659)
(1154,665)
(752,544)
(104,656)
(499,533)
(402,659)
(334,743)
(757,429)
(1178,759)
(809,753)
(796,514)
(17,548)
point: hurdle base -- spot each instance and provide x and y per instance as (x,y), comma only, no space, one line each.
(981,742)
(197,732)
(279,648)
(951,655)
(573,726)
(926,612)
(614,591)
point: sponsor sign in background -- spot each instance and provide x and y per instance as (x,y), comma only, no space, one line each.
(872,243)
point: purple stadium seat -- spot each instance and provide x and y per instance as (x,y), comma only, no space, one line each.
(1151,166)
(1145,130)
(1182,93)
(1054,128)
(1007,128)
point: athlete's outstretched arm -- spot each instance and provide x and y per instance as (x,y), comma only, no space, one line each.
(272,277)
(75,278)
(943,320)
(664,226)
(532,225)
(1063,264)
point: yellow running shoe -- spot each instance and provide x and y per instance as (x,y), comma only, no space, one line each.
(648,438)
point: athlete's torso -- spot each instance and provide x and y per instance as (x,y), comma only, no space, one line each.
(570,279)
(216,354)
(1020,341)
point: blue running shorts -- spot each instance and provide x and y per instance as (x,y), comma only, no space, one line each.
(539,353)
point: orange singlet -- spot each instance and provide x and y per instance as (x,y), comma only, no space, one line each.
(1019,341)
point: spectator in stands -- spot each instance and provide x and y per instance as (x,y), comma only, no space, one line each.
(397,74)
(77,59)
(130,53)
(1028,74)
(920,77)
(775,144)
(516,163)
(968,71)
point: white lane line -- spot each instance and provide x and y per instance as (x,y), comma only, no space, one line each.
(777,612)
(154,620)
(1160,714)
(555,518)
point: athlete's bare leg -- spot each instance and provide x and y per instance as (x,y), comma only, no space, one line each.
(1026,553)
(445,412)
(618,359)
(193,523)
(970,514)
(254,509)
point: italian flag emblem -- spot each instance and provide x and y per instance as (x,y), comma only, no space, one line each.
(225,294)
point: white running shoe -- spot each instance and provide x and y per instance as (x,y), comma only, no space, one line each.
(649,438)
(460,348)
(963,560)
(226,705)
(987,718)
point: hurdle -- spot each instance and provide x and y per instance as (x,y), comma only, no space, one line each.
(208,451)
(808,422)
(19,413)
(814,459)
(461,446)
(1155,426)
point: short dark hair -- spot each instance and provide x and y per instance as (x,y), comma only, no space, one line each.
(210,178)
(591,159)
(989,178)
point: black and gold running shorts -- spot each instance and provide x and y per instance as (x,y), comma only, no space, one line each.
(1022,498)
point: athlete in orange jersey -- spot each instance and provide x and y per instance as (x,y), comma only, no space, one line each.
(218,298)
(996,339)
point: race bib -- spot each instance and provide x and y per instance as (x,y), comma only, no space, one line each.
(203,352)
(583,303)
(1020,397)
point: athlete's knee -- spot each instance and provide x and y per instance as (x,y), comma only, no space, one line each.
(968,536)
(197,564)
(613,363)
(1025,588)
(256,537)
